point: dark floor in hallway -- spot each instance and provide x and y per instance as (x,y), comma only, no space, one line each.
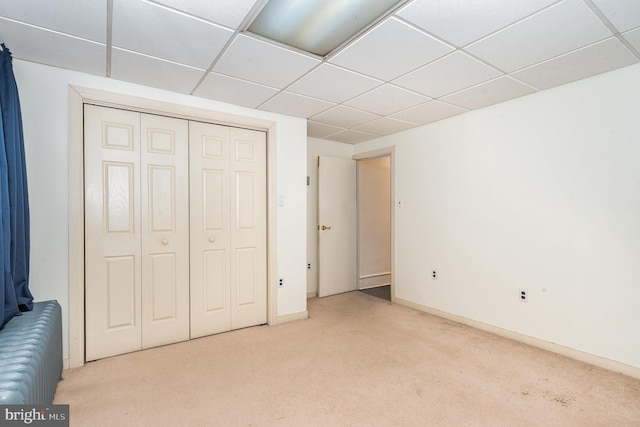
(383,292)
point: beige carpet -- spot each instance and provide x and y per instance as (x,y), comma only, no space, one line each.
(357,361)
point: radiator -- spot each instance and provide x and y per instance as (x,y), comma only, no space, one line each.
(31,356)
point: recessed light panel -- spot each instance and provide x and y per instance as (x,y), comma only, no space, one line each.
(317,26)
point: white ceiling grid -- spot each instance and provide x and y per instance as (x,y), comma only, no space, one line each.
(425,61)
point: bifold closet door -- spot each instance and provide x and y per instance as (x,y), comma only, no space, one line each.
(136,231)
(164,146)
(228,228)
(112,232)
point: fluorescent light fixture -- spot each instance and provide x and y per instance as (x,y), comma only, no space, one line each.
(317,26)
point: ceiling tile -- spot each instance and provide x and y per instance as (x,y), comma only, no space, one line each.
(385,126)
(333,84)
(623,14)
(462,22)
(390,50)
(261,62)
(595,59)
(351,137)
(296,105)
(234,91)
(52,48)
(387,99)
(166,34)
(447,75)
(344,117)
(84,19)
(149,71)
(489,93)
(229,13)
(320,130)
(633,37)
(567,26)
(429,112)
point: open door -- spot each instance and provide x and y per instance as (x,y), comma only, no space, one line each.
(337,226)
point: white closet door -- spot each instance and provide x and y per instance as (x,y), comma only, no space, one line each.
(136,231)
(228,228)
(248,228)
(165,230)
(210,238)
(112,232)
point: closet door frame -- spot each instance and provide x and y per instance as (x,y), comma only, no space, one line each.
(78,96)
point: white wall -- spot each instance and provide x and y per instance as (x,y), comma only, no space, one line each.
(44,102)
(315,148)
(542,193)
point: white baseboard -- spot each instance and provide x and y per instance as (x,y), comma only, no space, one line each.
(374,280)
(592,359)
(291,317)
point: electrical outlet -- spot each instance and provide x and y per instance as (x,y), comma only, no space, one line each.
(523,295)
(434,275)
(281,282)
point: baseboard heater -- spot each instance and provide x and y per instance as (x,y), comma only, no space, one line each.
(31,356)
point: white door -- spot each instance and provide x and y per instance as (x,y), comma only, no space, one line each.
(136,231)
(112,232)
(337,229)
(165,230)
(228,228)
(248,173)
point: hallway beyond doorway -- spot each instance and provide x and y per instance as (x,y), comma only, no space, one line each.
(383,292)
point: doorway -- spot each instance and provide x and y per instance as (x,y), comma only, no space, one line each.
(346,210)
(374,226)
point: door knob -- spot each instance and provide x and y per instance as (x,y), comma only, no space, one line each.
(324,227)
(212,239)
(165,242)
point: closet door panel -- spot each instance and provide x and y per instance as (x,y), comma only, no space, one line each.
(209,242)
(165,230)
(215,296)
(112,232)
(248,228)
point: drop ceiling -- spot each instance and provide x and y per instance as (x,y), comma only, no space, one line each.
(423,61)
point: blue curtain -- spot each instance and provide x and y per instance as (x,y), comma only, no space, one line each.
(14,282)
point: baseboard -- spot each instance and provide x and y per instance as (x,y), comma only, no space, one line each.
(591,359)
(374,280)
(361,288)
(291,317)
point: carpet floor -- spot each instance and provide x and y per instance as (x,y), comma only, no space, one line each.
(356,361)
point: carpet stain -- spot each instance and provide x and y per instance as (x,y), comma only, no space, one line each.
(564,400)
